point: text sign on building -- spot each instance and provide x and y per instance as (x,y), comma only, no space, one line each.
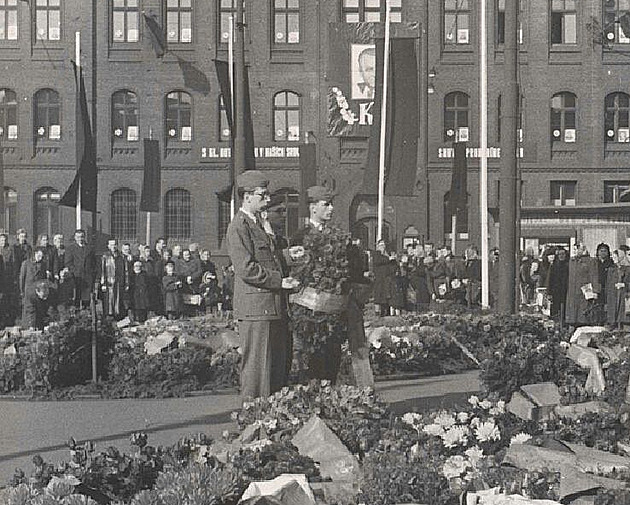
(219,152)
(475,152)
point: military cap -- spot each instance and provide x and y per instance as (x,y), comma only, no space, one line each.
(252,179)
(319,193)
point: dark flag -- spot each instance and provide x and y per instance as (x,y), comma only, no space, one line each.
(152,182)
(308,174)
(624,21)
(458,195)
(158,38)
(85,153)
(194,78)
(2,202)
(403,120)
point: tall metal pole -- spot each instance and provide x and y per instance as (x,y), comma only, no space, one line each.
(77,59)
(483,144)
(381,161)
(508,202)
(231,75)
(238,156)
(424,100)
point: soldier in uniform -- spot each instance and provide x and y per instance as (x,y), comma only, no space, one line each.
(260,292)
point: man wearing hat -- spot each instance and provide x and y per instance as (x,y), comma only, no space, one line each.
(260,292)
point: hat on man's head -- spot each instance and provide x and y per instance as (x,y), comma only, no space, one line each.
(319,193)
(252,179)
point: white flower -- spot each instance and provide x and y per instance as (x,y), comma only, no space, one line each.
(487,431)
(395,339)
(445,419)
(463,417)
(457,435)
(412,418)
(473,400)
(377,345)
(474,455)
(485,404)
(520,438)
(335,89)
(455,466)
(433,429)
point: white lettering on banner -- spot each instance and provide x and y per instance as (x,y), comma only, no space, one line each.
(259,152)
(365,113)
(475,152)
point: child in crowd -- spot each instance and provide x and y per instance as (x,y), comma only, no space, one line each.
(171,288)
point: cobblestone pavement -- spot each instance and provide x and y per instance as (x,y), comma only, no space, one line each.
(28,428)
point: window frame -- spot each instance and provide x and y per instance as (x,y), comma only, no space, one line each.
(50,208)
(168,219)
(10,210)
(180,11)
(467,14)
(499,19)
(123,225)
(126,10)
(563,110)
(563,13)
(562,185)
(114,107)
(613,188)
(178,138)
(364,13)
(616,110)
(6,107)
(36,116)
(611,26)
(47,9)
(285,110)
(458,110)
(6,11)
(285,13)
(227,11)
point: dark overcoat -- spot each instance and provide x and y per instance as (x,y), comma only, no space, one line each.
(583,270)
(81,264)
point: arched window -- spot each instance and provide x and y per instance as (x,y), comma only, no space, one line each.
(617,118)
(124,214)
(47,110)
(125,116)
(563,117)
(46,215)
(179,116)
(10,210)
(456,116)
(8,114)
(286,116)
(178,214)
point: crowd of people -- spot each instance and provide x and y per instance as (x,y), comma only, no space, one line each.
(37,283)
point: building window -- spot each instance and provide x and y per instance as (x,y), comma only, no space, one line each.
(500,22)
(286,116)
(8,20)
(179,116)
(178,214)
(563,193)
(225,133)
(563,21)
(8,114)
(456,114)
(616,16)
(456,22)
(462,218)
(124,116)
(519,131)
(224,220)
(563,117)
(124,215)
(617,118)
(370,11)
(286,17)
(616,191)
(179,21)
(10,210)
(125,21)
(227,9)
(47,111)
(46,215)
(48,19)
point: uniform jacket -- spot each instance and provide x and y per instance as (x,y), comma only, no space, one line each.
(258,293)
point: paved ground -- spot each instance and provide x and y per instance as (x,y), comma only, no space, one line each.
(33,427)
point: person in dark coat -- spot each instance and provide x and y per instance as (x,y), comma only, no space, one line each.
(81,264)
(227,290)
(558,284)
(384,268)
(418,279)
(583,288)
(128,261)
(260,292)
(473,276)
(139,293)
(31,272)
(47,247)
(618,289)
(189,271)
(7,286)
(20,252)
(113,281)
(35,306)
(604,264)
(171,290)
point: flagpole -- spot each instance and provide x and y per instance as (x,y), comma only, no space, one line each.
(77,58)
(483,144)
(148,231)
(231,74)
(381,163)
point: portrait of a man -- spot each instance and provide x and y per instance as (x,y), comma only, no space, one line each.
(363,71)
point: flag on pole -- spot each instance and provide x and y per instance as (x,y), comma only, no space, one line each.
(458,195)
(85,153)
(158,38)
(194,78)
(152,182)
(403,120)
